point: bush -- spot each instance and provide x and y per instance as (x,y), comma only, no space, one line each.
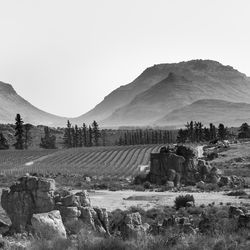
(147,185)
(181,200)
(237,193)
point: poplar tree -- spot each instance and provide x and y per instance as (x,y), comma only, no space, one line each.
(96,133)
(19,134)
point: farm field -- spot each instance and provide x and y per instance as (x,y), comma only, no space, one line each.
(119,161)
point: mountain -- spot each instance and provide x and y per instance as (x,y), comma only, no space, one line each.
(208,110)
(183,84)
(152,98)
(11,104)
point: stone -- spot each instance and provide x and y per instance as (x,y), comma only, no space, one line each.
(25,198)
(162,163)
(46,184)
(69,212)
(188,228)
(95,218)
(84,198)
(70,200)
(203,168)
(170,184)
(132,226)
(224,181)
(4,227)
(48,225)
(244,220)
(234,212)
(201,184)
(171,175)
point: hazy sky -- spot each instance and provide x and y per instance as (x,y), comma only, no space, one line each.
(64,56)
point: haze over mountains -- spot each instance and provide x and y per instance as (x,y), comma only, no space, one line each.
(11,104)
(163,95)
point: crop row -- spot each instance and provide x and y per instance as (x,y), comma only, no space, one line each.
(119,161)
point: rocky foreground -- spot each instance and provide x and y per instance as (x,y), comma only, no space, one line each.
(35,207)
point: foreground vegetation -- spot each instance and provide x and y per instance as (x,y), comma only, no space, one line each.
(219,232)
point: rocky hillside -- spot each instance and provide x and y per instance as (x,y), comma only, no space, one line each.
(184,83)
(11,103)
(209,110)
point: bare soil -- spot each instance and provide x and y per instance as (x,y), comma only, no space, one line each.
(146,200)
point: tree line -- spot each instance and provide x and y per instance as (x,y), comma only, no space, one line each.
(196,132)
(85,136)
(23,136)
(146,136)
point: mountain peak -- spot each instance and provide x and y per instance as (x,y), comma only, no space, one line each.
(6,88)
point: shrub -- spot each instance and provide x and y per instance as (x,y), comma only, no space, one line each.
(237,193)
(181,200)
(147,185)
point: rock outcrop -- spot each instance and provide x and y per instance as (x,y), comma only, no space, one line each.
(132,226)
(49,225)
(31,202)
(28,196)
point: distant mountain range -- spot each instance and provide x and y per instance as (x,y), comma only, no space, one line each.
(11,103)
(163,95)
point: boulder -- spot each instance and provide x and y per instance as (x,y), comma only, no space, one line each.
(48,225)
(224,181)
(27,196)
(203,168)
(171,175)
(244,220)
(234,212)
(201,184)
(162,165)
(84,198)
(95,218)
(170,184)
(188,228)
(132,226)
(4,227)
(70,200)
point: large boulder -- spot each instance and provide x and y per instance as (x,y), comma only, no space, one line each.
(164,166)
(26,197)
(132,226)
(95,218)
(48,225)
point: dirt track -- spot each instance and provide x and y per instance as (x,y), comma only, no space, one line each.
(125,199)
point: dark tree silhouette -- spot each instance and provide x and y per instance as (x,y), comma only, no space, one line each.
(67,138)
(222,132)
(19,134)
(48,141)
(27,135)
(244,131)
(96,133)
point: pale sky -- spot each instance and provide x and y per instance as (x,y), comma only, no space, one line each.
(64,56)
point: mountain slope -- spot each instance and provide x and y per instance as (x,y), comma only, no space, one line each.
(11,104)
(209,110)
(186,83)
(125,94)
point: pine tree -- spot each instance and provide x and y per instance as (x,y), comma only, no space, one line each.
(103,136)
(96,133)
(3,142)
(27,135)
(85,135)
(90,137)
(48,141)
(244,131)
(67,138)
(222,132)
(19,134)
